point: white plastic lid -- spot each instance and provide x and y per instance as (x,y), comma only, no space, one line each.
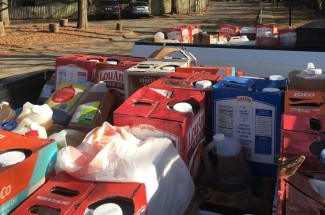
(169,68)
(34,126)
(276,78)
(113,62)
(270,89)
(5,103)
(108,208)
(36,109)
(93,60)
(159,35)
(183,107)
(218,137)
(11,158)
(203,84)
(310,65)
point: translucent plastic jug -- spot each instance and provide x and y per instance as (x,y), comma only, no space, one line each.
(30,128)
(68,137)
(41,114)
(6,113)
(232,173)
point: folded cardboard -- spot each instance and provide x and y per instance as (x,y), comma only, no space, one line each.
(242,109)
(20,180)
(149,112)
(64,194)
(205,38)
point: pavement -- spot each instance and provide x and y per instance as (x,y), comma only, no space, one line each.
(242,13)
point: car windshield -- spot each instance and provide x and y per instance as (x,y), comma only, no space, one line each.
(109,3)
(140,3)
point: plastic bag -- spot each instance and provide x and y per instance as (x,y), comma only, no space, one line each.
(112,154)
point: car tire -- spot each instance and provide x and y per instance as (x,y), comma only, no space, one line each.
(148,16)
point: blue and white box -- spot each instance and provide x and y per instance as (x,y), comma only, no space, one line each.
(250,109)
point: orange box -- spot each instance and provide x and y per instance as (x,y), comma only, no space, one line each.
(64,194)
(215,70)
(20,180)
(262,28)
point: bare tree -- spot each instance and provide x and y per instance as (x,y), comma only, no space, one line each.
(82,14)
(4,12)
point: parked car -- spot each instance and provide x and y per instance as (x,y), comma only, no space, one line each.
(137,9)
(108,9)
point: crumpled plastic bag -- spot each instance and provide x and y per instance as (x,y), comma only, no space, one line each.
(112,154)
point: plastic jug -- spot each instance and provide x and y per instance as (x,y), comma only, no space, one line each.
(30,128)
(93,109)
(41,114)
(6,112)
(232,173)
(68,137)
(310,79)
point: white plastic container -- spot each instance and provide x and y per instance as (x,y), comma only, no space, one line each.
(28,127)
(68,137)
(6,112)
(41,114)
(232,173)
(11,158)
(183,107)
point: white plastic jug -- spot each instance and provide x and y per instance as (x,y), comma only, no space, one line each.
(6,112)
(30,128)
(41,114)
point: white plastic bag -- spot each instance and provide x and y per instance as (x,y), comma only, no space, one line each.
(112,154)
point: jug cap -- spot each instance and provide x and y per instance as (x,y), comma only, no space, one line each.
(218,137)
(36,109)
(108,208)
(276,77)
(112,62)
(310,65)
(11,158)
(203,84)
(183,107)
(34,126)
(169,68)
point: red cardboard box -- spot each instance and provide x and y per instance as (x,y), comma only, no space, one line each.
(18,181)
(187,81)
(76,68)
(64,194)
(215,70)
(295,195)
(229,30)
(181,34)
(114,75)
(149,112)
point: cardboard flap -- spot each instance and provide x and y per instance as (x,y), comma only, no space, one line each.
(289,166)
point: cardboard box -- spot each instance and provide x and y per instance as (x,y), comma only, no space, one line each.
(187,81)
(76,69)
(149,112)
(241,109)
(223,71)
(229,30)
(146,72)
(181,34)
(261,29)
(295,195)
(205,38)
(20,180)
(64,194)
(64,102)
(114,76)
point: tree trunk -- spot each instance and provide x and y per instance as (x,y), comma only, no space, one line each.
(2,29)
(4,12)
(174,5)
(82,14)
